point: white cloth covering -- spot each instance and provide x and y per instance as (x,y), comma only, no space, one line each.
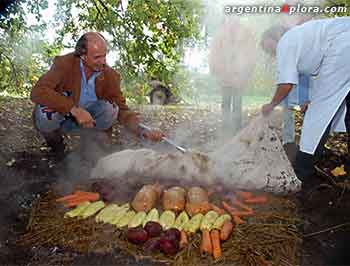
(253,159)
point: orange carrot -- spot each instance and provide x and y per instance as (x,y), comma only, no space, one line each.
(238,220)
(257,200)
(244,194)
(234,212)
(215,241)
(183,239)
(228,208)
(79,196)
(92,196)
(206,246)
(65,198)
(74,203)
(217,209)
(226,230)
(242,205)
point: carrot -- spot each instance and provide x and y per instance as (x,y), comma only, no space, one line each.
(257,200)
(244,194)
(238,220)
(79,196)
(215,241)
(242,205)
(65,198)
(206,246)
(74,203)
(217,209)
(183,239)
(234,212)
(228,208)
(226,230)
(92,196)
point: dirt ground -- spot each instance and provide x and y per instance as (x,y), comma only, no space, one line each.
(27,169)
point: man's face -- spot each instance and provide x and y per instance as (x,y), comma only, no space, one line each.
(95,59)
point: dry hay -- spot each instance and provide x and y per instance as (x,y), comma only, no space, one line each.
(270,237)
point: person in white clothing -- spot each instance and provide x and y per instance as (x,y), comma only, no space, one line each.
(298,96)
(318,48)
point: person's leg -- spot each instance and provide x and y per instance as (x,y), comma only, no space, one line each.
(48,124)
(330,86)
(304,163)
(288,131)
(104,113)
(288,134)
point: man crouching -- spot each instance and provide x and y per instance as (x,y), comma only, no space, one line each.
(80,91)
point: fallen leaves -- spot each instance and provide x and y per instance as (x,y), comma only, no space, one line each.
(11,162)
(338,171)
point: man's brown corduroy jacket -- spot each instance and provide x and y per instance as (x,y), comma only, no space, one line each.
(64,76)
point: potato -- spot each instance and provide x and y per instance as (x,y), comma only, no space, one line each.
(173,234)
(174,199)
(153,229)
(197,201)
(152,245)
(169,246)
(137,235)
(146,198)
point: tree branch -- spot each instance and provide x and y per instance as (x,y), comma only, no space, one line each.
(98,10)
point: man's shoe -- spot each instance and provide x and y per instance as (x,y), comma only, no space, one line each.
(55,141)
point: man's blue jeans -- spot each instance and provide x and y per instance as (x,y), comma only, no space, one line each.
(104,113)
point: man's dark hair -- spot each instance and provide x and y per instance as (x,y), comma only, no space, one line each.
(82,44)
(273,33)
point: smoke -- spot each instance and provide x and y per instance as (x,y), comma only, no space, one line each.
(75,168)
(243,162)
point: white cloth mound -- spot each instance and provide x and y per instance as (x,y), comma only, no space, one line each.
(253,159)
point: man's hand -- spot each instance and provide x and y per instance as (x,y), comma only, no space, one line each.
(153,135)
(83,117)
(267,109)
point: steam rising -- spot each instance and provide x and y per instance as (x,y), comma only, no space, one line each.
(254,159)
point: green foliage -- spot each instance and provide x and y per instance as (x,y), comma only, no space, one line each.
(341,3)
(148,35)
(24,53)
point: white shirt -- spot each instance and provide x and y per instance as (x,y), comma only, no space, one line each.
(318,48)
(302,48)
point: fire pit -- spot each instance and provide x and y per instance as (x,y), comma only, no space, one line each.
(267,237)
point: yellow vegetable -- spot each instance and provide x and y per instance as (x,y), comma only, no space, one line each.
(92,209)
(77,210)
(118,215)
(106,215)
(219,222)
(153,216)
(338,171)
(208,220)
(126,219)
(137,219)
(193,225)
(167,219)
(181,220)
